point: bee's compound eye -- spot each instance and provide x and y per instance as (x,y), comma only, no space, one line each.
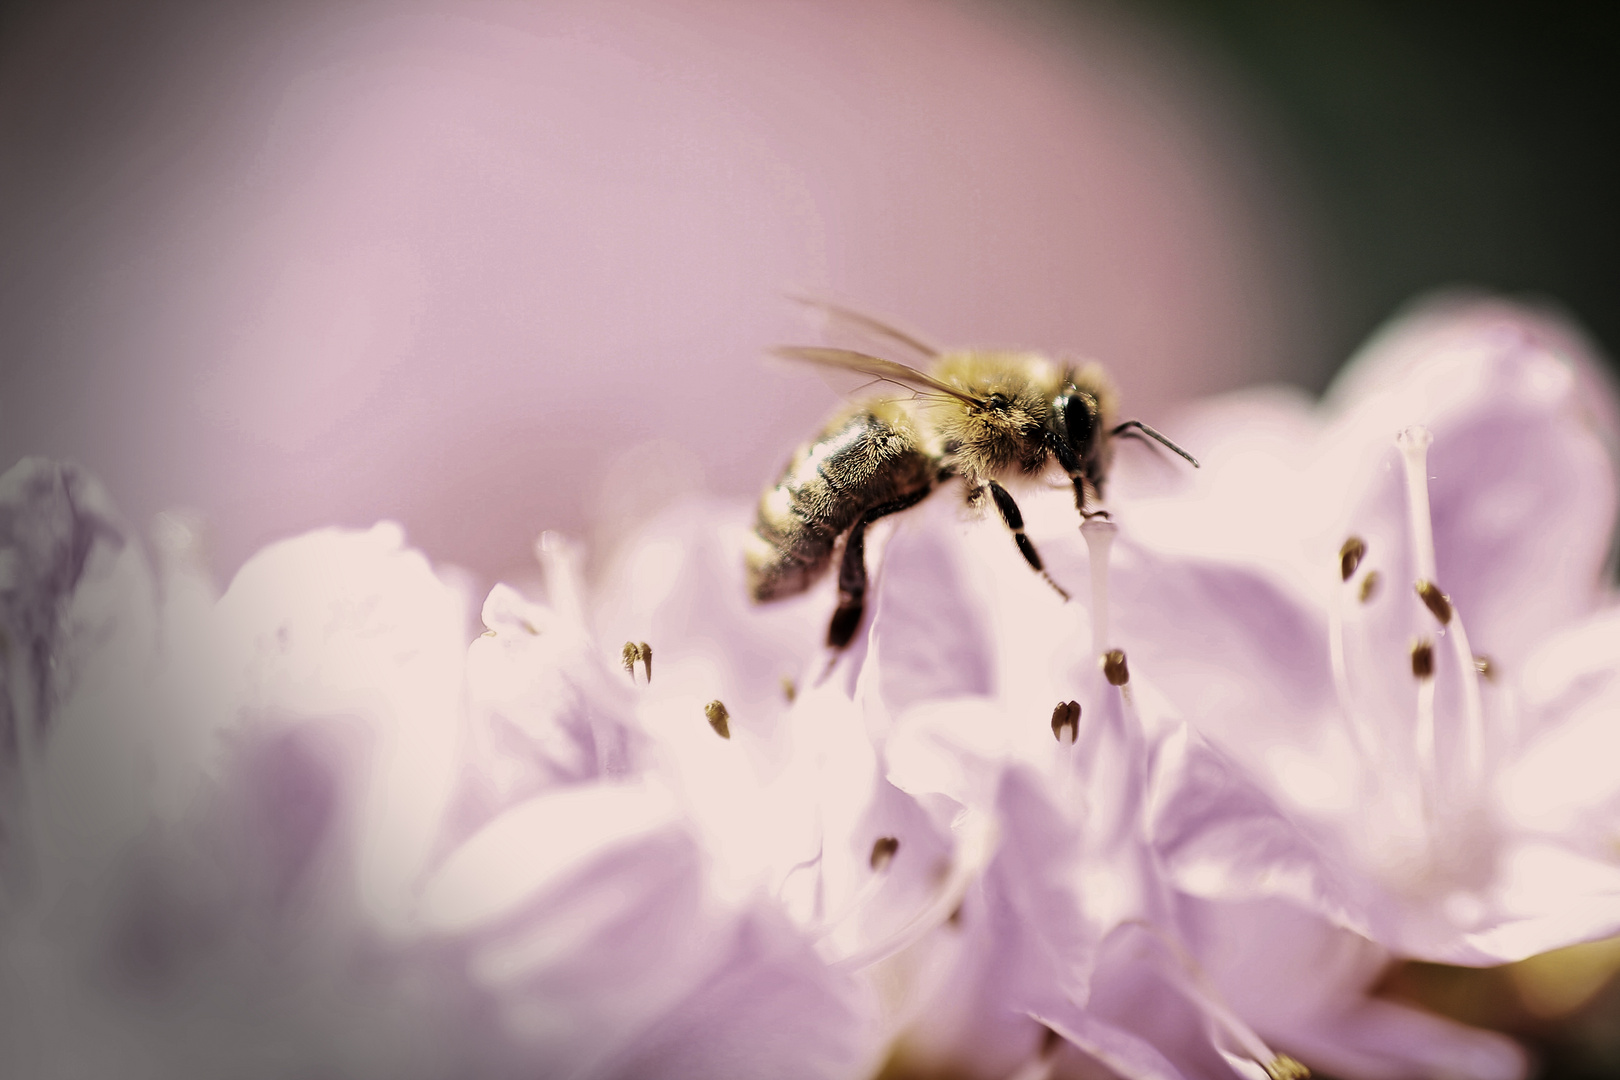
(1080,419)
(997,401)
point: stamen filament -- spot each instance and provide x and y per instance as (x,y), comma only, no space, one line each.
(1414,446)
(849,907)
(972,856)
(1360,735)
(1423,734)
(1099,535)
(1473,708)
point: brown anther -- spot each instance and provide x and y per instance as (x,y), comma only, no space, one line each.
(883,852)
(719,718)
(1486,667)
(1438,603)
(1369,586)
(646,658)
(790,689)
(1050,1041)
(628,656)
(1423,659)
(1114,669)
(1350,556)
(1283,1067)
(1066,714)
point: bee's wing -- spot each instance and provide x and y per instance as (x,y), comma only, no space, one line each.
(867,326)
(850,360)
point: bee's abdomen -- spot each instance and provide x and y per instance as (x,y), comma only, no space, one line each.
(862,460)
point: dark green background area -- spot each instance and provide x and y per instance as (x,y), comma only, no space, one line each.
(1441,142)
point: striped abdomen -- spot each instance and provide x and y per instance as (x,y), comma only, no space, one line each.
(865,458)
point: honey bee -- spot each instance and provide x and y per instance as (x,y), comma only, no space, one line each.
(978,416)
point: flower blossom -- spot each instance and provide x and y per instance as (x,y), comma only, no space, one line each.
(328,820)
(342,841)
(1419,634)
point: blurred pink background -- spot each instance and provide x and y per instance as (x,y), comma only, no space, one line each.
(488,268)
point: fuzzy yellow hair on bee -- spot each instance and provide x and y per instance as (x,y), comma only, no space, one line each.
(977,416)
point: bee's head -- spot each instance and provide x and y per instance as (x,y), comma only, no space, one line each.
(1081,416)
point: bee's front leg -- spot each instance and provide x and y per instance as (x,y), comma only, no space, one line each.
(1014,519)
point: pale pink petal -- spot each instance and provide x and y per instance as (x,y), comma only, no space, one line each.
(770,1009)
(1564,782)
(1304,984)
(1522,482)
(1220,837)
(352,632)
(678,585)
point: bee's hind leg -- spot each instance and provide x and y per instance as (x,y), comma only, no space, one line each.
(852,571)
(1014,519)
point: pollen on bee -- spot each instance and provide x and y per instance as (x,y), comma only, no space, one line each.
(719,718)
(1438,603)
(1066,715)
(1423,659)
(1350,556)
(1114,669)
(883,852)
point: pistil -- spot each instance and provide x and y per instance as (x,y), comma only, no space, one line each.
(1099,535)
(1414,446)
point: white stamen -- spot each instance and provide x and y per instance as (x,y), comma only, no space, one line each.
(1361,736)
(1099,534)
(1424,736)
(1414,445)
(855,903)
(973,853)
(1473,708)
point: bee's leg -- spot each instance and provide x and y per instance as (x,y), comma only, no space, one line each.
(1015,521)
(852,571)
(1076,471)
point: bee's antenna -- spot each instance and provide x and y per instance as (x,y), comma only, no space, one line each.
(1150,433)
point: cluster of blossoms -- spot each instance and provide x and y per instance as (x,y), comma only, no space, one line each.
(1348,694)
